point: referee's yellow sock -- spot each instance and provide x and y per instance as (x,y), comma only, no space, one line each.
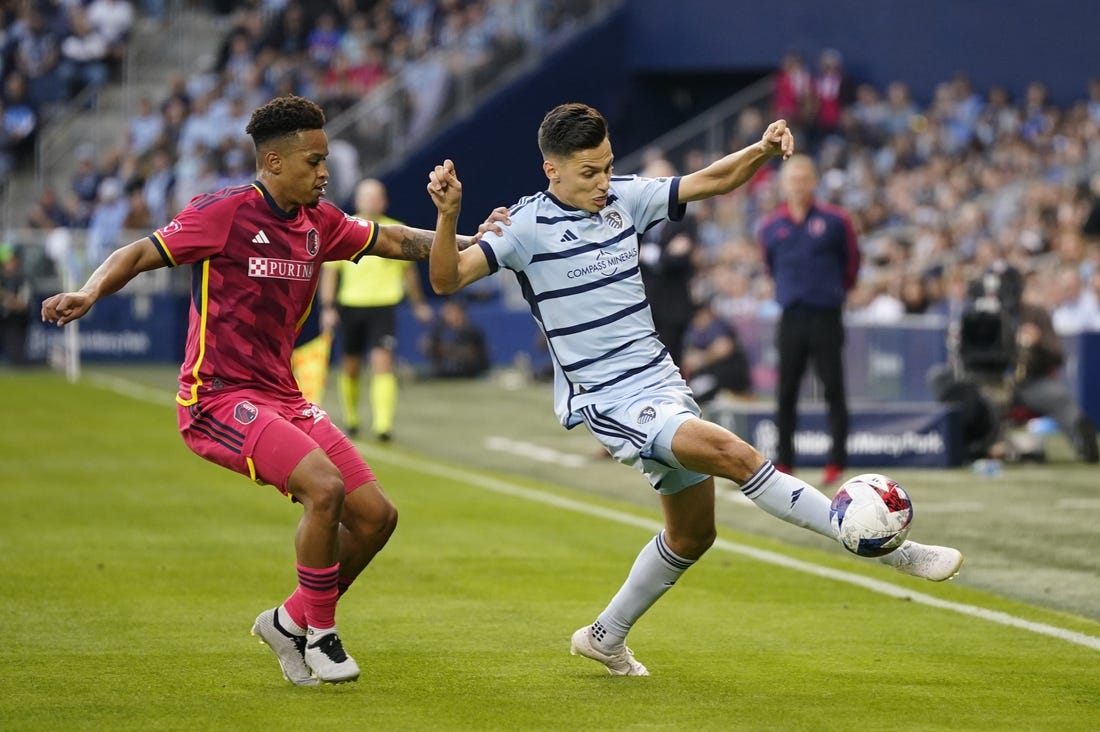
(349,400)
(383,402)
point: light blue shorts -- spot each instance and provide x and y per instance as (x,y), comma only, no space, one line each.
(638,432)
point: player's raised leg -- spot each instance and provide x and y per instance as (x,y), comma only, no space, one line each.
(707,447)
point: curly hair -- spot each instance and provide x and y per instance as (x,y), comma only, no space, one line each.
(284,116)
(568,128)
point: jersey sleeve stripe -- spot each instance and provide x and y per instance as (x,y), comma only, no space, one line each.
(490,257)
(676,210)
(372,237)
(158,242)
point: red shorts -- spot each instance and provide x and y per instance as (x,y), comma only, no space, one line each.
(265,438)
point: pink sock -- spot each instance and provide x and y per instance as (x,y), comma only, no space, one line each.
(295,607)
(313,604)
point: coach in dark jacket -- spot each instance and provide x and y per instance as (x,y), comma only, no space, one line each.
(813,256)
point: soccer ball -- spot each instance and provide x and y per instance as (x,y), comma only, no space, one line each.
(871,515)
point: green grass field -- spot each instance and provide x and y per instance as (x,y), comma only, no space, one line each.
(132,571)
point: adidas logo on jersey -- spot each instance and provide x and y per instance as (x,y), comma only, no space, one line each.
(260,238)
(569,236)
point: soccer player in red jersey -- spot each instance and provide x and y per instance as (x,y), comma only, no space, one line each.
(256,252)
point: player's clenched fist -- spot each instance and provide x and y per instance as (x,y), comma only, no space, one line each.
(778,139)
(65,307)
(445,188)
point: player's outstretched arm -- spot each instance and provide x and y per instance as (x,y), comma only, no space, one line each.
(122,266)
(448,269)
(397,241)
(723,175)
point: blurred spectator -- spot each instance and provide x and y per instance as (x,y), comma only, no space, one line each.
(832,93)
(19,120)
(37,56)
(1072,312)
(145,127)
(454,346)
(323,42)
(84,182)
(106,221)
(49,211)
(867,116)
(15,303)
(138,215)
(84,56)
(794,92)
(914,295)
(998,118)
(871,302)
(112,20)
(902,115)
(160,184)
(713,360)
(289,34)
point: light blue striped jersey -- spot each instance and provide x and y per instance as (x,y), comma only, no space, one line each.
(579,273)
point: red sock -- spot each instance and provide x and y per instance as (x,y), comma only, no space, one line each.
(313,604)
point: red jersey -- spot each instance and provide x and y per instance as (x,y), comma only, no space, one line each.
(256,269)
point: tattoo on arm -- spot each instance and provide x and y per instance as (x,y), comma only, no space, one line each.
(416,244)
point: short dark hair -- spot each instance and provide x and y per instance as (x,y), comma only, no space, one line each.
(568,128)
(284,116)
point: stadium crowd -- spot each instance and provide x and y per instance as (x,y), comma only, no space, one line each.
(405,60)
(50,52)
(937,191)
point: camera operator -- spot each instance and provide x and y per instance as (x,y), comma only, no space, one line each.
(981,353)
(1005,353)
(1039,386)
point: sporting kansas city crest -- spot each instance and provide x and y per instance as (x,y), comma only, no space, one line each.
(647,415)
(614,220)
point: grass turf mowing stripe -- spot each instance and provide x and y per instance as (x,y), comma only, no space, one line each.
(429,466)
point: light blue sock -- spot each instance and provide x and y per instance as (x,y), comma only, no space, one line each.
(786,497)
(655,570)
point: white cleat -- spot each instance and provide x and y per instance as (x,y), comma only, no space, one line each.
(288,647)
(619,663)
(936,563)
(325,656)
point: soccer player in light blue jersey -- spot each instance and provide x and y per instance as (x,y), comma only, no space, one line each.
(574,250)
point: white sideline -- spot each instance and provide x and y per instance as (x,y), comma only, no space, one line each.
(426,465)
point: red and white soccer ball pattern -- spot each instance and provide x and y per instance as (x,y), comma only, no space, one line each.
(871,515)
